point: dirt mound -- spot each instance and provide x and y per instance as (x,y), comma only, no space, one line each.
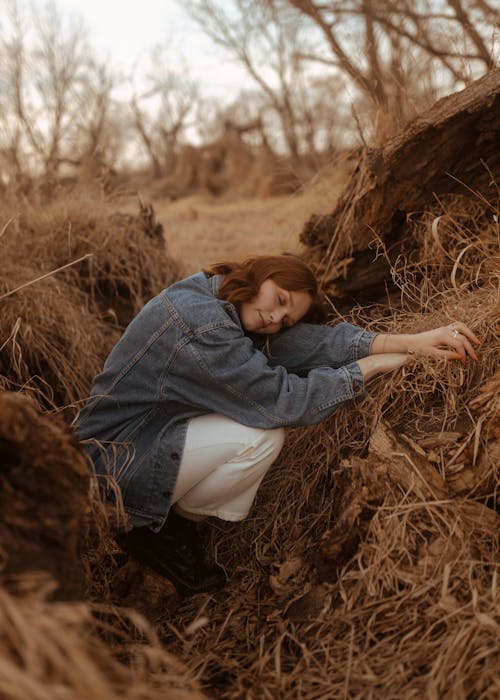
(450,150)
(49,521)
(58,328)
(56,534)
(44,497)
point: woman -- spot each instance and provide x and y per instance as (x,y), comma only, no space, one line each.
(189,411)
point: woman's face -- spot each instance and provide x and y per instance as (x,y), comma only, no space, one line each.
(273,309)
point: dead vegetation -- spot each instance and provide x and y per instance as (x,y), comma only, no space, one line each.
(449,150)
(82,651)
(369,565)
(57,324)
(229,165)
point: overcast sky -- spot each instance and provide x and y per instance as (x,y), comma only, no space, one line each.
(125,31)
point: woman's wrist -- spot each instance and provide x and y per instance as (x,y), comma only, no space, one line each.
(373,365)
(391,342)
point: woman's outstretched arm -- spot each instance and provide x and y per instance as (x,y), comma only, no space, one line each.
(453,342)
(305,346)
(373,365)
(389,351)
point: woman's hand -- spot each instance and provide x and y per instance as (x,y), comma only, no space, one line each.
(453,342)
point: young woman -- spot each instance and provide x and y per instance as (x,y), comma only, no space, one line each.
(189,411)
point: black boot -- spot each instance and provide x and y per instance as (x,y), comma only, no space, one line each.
(175,552)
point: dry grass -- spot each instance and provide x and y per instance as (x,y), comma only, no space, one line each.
(75,650)
(56,331)
(355,578)
(54,645)
(369,565)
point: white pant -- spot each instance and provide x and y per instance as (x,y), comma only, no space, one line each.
(222,466)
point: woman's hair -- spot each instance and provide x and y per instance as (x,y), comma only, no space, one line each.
(242,280)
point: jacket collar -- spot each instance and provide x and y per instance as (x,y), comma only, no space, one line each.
(215,282)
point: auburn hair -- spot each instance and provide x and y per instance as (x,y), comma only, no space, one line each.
(242,280)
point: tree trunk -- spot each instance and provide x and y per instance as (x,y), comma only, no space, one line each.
(452,147)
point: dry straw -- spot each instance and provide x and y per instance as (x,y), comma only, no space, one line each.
(54,645)
(75,650)
(73,275)
(369,565)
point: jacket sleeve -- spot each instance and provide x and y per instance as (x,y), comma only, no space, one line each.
(305,346)
(230,376)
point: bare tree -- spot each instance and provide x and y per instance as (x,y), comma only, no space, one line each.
(56,97)
(247,108)
(14,133)
(400,33)
(95,135)
(163,110)
(263,38)
(391,56)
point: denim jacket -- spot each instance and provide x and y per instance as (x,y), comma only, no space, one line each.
(184,355)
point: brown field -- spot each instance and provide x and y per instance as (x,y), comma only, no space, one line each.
(201,229)
(369,565)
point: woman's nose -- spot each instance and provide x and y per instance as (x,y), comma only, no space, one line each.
(276,316)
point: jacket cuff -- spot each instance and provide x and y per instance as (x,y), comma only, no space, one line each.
(356,381)
(363,343)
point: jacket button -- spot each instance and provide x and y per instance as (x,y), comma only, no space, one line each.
(355,385)
(174,456)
